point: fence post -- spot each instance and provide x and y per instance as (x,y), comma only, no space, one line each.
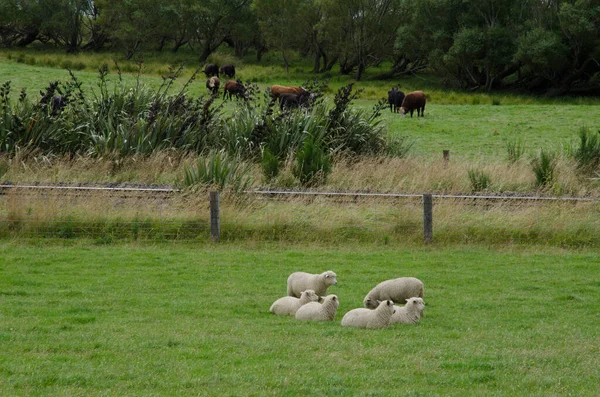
(427,218)
(215,218)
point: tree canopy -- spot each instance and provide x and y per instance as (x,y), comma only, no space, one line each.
(545,46)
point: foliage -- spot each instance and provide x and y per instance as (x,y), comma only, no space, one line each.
(479,180)
(313,164)
(587,152)
(219,170)
(543,167)
(515,150)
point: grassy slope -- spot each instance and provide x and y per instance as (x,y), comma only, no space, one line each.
(182,320)
(466,124)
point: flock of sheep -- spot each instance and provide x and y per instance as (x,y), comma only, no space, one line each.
(305,290)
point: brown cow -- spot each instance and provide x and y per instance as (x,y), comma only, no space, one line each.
(414,100)
(234,88)
(277,90)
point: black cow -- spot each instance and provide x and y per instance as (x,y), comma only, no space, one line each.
(211,70)
(395,98)
(294,100)
(228,70)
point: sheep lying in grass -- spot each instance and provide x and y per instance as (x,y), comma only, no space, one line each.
(288,305)
(410,313)
(397,290)
(301,281)
(366,318)
(315,311)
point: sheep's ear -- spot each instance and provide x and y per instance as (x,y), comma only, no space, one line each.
(407,299)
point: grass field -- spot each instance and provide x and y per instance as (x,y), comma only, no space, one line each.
(184,320)
(467,124)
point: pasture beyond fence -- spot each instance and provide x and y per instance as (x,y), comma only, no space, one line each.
(116,213)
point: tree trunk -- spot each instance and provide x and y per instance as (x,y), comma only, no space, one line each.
(29,38)
(360,70)
(285,62)
(317,63)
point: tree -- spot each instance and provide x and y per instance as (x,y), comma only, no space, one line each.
(278,23)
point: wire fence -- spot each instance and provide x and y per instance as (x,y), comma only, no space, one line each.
(165,213)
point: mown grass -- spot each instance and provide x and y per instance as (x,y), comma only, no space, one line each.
(193,320)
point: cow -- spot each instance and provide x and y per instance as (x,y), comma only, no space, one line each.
(212,85)
(395,98)
(211,70)
(228,70)
(294,100)
(277,90)
(234,88)
(414,100)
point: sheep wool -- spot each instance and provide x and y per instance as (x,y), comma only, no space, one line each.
(288,305)
(397,290)
(410,313)
(301,281)
(366,318)
(315,311)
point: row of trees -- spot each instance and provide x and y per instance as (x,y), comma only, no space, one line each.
(550,46)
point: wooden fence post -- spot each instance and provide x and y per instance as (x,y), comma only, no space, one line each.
(215,218)
(427,218)
(446,156)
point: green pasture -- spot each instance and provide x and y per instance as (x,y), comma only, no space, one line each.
(469,125)
(85,320)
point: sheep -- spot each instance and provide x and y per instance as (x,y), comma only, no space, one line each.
(288,305)
(316,311)
(366,318)
(300,281)
(410,313)
(398,290)
(414,100)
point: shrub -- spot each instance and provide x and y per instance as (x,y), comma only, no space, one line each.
(219,170)
(587,152)
(479,180)
(313,164)
(515,150)
(544,166)
(270,163)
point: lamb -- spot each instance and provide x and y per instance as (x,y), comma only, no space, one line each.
(398,290)
(410,313)
(316,311)
(366,318)
(414,100)
(301,281)
(288,305)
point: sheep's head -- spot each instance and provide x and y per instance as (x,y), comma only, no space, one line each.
(333,299)
(329,277)
(312,296)
(416,304)
(370,303)
(386,306)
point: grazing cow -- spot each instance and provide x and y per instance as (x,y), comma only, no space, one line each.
(277,90)
(234,88)
(213,84)
(228,70)
(414,100)
(294,100)
(395,98)
(211,70)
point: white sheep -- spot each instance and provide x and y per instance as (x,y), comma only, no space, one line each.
(316,311)
(366,318)
(300,281)
(288,305)
(397,290)
(410,313)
